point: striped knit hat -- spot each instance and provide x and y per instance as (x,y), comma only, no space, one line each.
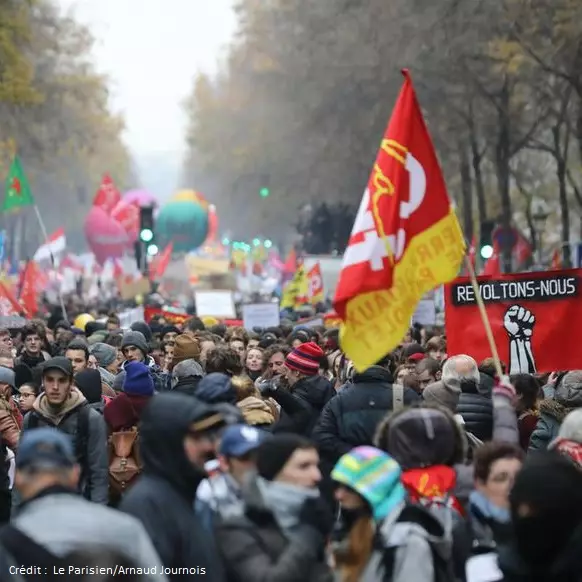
(305,358)
(375,476)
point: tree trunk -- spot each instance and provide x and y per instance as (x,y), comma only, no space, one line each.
(466,191)
(478,174)
(563,196)
(502,158)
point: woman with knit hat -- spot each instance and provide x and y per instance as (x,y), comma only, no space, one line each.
(124,412)
(308,391)
(282,534)
(380,536)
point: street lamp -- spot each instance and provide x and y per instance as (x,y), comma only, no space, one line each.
(539,216)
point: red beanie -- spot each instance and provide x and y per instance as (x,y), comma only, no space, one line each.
(305,358)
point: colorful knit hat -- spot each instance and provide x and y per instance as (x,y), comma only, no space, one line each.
(305,358)
(373,475)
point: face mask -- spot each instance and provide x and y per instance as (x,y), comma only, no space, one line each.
(347,519)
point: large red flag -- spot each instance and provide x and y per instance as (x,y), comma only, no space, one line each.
(160,263)
(8,303)
(406,238)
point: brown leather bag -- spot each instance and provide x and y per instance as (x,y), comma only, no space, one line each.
(125,463)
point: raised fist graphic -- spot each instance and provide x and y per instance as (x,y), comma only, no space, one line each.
(519,323)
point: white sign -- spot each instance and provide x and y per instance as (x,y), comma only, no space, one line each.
(260,315)
(218,304)
(129,316)
(425,313)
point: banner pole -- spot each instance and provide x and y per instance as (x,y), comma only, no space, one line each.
(484,317)
(46,238)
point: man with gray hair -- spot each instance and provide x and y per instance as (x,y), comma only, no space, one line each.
(475,406)
(186,376)
(567,397)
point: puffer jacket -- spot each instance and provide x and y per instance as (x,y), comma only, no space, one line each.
(476,407)
(94,461)
(350,418)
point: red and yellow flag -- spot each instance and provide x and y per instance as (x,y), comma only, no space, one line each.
(315,282)
(406,239)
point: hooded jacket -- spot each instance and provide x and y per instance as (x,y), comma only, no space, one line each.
(163,497)
(552,414)
(350,419)
(94,459)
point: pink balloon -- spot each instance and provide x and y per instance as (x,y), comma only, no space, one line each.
(106,237)
(140,197)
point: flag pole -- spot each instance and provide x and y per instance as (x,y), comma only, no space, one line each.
(46,238)
(484,317)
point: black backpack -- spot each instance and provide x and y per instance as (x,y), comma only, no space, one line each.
(81,443)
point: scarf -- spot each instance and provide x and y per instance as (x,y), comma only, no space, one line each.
(487,509)
(285,501)
(107,377)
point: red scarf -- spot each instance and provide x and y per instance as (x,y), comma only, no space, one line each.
(432,485)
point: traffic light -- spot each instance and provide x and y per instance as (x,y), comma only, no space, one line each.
(147,233)
(264,192)
(486,239)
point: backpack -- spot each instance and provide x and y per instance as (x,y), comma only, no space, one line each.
(443,569)
(125,462)
(81,444)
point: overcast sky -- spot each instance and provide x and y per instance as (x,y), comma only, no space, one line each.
(152,49)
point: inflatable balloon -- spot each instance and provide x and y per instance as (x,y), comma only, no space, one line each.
(183,222)
(82,320)
(140,198)
(190,196)
(106,236)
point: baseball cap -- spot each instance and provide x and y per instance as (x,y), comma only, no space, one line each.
(45,447)
(239,439)
(59,363)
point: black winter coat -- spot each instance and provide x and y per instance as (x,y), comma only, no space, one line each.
(163,497)
(476,407)
(301,407)
(350,418)
(254,547)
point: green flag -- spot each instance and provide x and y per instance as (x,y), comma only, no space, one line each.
(18,193)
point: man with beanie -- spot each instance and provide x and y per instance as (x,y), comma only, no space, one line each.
(134,348)
(309,392)
(106,357)
(350,419)
(143,328)
(124,411)
(283,510)
(62,406)
(186,347)
(55,521)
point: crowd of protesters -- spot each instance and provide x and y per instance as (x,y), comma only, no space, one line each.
(174,451)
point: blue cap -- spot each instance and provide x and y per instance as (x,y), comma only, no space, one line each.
(45,447)
(239,439)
